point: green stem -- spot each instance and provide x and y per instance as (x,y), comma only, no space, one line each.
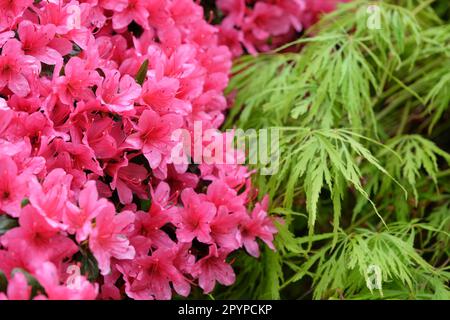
(404,119)
(422,6)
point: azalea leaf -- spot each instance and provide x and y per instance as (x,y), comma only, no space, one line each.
(7,223)
(24,202)
(142,73)
(145,204)
(89,265)
(3,282)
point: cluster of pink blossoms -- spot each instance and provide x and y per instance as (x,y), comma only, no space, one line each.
(261,25)
(86,176)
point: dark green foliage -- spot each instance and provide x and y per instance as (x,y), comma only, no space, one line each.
(7,223)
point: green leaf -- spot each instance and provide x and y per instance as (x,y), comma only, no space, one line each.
(7,223)
(142,73)
(89,265)
(145,204)
(3,282)
(24,202)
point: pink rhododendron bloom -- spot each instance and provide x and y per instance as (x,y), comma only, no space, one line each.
(18,288)
(150,277)
(232,38)
(267,19)
(180,181)
(161,213)
(262,25)
(76,82)
(49,199)
(100,139)
(5,36)
(118,94)
(221,194)
(195,218)
(36,42)
(12,187)
(72,157)
(127,179)
(11,10)
(107,239)
(133,10)
(154,137)
(86,167)
(258,226)
(79,218)
(42,241)
(224,229)
(15,67)
(213,268)
(161,96)
(49,278)
(234,10)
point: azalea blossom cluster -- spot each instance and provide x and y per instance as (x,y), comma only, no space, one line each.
(261,25)
(90,94)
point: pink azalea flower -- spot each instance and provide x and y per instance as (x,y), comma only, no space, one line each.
(159,15)
(109,291)
(49,278)
(70,157)
(69,19)
(18,288)
(258,225)
(150,223)
(77,82)
(233,175)
(36,42)
(5,36)
(134,10)
(127,179)
(12,187)
(75,128)
(221,194)
(11,10)
(232,38)
(15,67)
(266,20)
(118,93)
(195,218)
(42,241)
(180,181)
(50,198)
(154,137)
(161,96)
(295,10)
(19,258)
(224,229)
(98,137)
(213,268)
(234,10)
(150,277)
(79,218)
(107,239)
